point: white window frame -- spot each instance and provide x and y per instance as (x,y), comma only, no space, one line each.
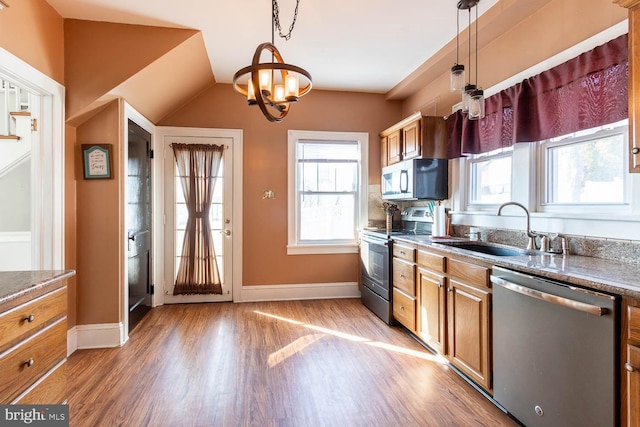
(584,209)
(294,246)
(480,158)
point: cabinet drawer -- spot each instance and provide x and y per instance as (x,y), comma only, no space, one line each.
(469,273)
(51,390)
(404,309)
(45,349)
(432,261)
(407,253)
(27,318)
(404,276)
(634,324)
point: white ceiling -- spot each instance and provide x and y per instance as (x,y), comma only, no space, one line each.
(358,45)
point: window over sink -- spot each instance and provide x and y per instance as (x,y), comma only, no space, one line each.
(327,191)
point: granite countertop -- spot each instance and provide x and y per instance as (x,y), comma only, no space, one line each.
(14,284)
(594,273)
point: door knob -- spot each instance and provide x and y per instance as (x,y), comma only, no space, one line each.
(226,232)
(629,367)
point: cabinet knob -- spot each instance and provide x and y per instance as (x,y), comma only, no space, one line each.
(29,363)
(402,307)
(30,318)
(450,289)
(402,253)
(629,367)
(402,275)
(635,150)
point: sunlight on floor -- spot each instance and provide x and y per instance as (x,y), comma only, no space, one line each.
(303,342)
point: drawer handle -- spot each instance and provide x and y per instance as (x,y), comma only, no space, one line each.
(30,318)
(629,367)
(402,275)
(402,253)
(402,307)
(29,363)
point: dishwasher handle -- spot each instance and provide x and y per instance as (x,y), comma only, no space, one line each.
(554,299)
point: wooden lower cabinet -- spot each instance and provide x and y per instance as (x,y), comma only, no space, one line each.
(33,348)
(433,308)
(631,365)
(404,286)
(468,327)
(633,385)
(454,317)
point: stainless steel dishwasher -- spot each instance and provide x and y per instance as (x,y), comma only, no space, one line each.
(555,351)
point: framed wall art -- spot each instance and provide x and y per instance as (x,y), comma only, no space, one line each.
(96,160)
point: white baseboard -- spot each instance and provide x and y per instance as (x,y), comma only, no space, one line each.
(72,340)
(104,335)
(299,292)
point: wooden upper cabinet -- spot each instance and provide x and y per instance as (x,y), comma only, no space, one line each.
(384,151)
(417,136)
(411,140)
(634,82)
(394,148)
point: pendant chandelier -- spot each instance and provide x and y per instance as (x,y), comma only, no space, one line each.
(275,85)
(472,95)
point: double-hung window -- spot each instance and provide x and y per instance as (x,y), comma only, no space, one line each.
(327,191)
(489,179)
(585,171)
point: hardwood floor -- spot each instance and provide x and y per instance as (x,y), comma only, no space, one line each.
(291,363)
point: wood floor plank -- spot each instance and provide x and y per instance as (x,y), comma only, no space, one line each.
(291,363)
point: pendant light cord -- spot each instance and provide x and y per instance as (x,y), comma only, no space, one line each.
(457,36)
(476,44)
(469,28)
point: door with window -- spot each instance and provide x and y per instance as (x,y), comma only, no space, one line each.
(177,216)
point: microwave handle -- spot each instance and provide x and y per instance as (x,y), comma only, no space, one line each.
(404,181)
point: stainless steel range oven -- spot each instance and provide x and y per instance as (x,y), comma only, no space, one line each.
(376,252)
(375,263)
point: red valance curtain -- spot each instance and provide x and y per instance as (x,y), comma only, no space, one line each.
(198,166)
(587,91)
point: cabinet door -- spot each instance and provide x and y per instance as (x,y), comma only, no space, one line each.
(411,140)
(435,138)
(384,152)
(432,309)
(633,386)
(468,327)
(394,148)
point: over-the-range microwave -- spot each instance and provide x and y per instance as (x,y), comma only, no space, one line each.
(416,179)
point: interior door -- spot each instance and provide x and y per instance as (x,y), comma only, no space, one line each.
(176,217)
(138,222)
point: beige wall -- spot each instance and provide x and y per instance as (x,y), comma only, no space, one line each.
(99,223)
(33,31)
(265,167)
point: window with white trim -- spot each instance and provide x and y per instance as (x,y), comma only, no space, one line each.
(327,191)
(585,170)
(490,178)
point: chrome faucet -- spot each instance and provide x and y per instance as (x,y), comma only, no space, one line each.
(530,234)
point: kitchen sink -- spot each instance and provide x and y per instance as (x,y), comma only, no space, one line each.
(487,248)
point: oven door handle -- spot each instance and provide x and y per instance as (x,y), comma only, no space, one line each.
(554,299)
(374,241)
